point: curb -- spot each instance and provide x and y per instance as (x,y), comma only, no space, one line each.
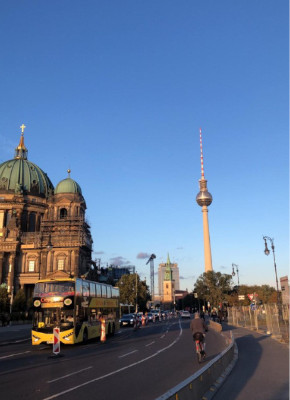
(220,381)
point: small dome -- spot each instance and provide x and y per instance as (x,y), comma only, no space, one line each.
(68,185)
(22,176)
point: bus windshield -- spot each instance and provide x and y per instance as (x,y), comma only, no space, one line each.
(54,288)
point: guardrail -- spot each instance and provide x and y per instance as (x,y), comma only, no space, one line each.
(206,379)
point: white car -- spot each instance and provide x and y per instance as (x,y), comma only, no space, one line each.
(185,314)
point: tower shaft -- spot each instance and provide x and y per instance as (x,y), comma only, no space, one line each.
(206,240)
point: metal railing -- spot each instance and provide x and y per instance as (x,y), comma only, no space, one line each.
(264,318)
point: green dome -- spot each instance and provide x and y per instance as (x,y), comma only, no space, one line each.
(22,176)
(68,185)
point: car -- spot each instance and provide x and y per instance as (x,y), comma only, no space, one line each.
(127,320)
(150,316)
(185,314)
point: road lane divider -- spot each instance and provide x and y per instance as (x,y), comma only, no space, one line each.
(54,396)
(127,354)
(15,354)
(149,344)
(68,375)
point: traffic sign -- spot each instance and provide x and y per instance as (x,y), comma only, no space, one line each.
(56,341)
(253,306)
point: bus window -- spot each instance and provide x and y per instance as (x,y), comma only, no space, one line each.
(92,289)
(98,290)
(86,289)
(104,291)
(79,287)
(109,292)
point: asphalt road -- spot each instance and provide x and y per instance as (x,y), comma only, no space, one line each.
(138,365)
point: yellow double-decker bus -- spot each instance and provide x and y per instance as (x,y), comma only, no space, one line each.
(76,306)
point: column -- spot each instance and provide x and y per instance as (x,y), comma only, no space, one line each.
(76,264)
(11,272)
(1,266)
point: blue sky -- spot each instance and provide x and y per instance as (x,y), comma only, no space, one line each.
(117,91)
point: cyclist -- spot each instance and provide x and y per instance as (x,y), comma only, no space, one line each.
(198,329)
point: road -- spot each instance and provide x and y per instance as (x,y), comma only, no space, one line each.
(138,365)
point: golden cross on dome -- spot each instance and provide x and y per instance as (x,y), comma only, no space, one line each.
(22,128)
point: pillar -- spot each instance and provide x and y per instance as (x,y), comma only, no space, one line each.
(206,240)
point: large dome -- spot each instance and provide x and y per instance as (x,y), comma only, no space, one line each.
(22,176)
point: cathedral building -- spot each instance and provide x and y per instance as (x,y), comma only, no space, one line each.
(43,229)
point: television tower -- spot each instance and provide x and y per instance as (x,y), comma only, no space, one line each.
(204,199)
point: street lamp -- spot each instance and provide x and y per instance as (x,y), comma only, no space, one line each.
(233,272)
(267,252)
(136,308)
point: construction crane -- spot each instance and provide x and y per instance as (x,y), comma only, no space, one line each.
(151,260)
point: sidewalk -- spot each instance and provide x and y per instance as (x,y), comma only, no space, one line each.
(262,369)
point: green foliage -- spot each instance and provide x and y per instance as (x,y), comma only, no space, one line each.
(4,299)
(213,287)
(19,301)
(127,285)
(266,294)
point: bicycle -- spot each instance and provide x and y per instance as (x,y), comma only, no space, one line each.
(198,337)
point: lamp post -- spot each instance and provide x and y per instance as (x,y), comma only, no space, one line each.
(233,272)
(136,308)
(267,252)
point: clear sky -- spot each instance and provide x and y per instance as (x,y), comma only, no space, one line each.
(117,91)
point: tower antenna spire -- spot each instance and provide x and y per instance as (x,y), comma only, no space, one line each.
(201,154)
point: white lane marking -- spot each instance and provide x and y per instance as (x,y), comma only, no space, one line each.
(149,344)
(118,370)
(161,337)
(15,354)
(124,355)
(66,376)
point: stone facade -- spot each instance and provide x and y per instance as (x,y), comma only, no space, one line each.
(42,230)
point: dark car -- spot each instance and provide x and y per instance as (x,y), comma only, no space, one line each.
(127,320)
(150,316)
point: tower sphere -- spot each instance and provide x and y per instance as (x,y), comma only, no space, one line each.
(204,198)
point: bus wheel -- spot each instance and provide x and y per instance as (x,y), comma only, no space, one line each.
(85,336)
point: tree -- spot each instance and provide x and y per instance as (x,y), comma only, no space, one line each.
(127,285)
(265,293)
(4,299)
(19,302)
(213,287)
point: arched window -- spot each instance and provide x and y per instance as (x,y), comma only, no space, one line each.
(63,213)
